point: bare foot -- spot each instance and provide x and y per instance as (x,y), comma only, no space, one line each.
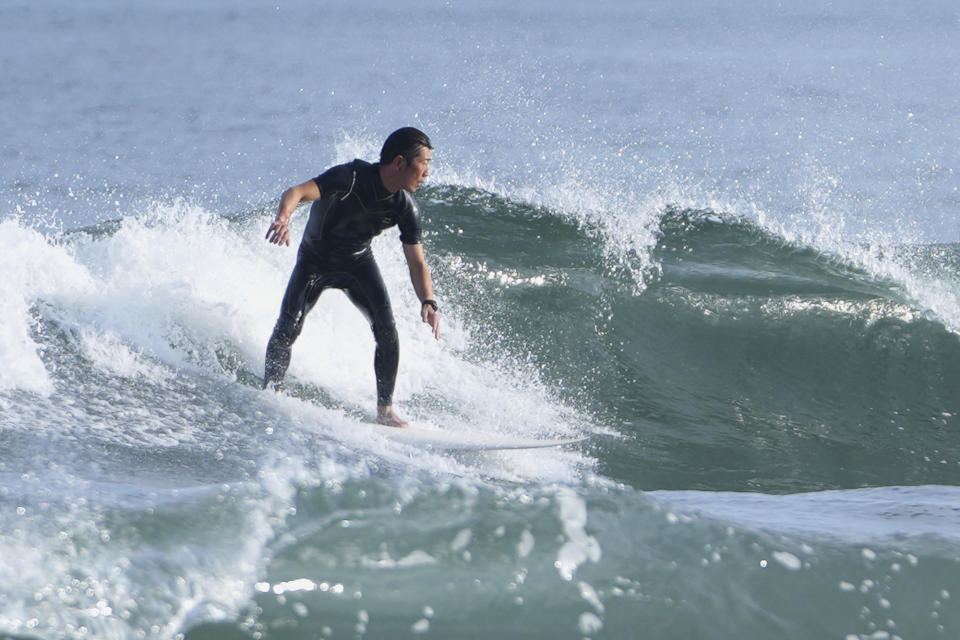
(388,417)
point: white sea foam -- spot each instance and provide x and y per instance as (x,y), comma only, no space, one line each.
(579,547)
(33,269)
(525,545)
(178,281)
(788,560)
(70,563)
(108,351)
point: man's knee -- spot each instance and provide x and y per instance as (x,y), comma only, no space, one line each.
(385,329)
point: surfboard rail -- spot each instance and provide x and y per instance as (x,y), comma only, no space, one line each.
(440,440)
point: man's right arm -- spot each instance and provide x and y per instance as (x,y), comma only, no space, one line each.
(279,231)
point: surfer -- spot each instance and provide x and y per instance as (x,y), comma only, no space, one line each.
(352,203)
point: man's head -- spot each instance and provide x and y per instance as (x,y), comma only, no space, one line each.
(405,142)
(405,159)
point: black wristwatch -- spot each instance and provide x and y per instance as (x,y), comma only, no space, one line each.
(432,303)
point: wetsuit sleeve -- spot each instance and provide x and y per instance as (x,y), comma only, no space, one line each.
(336,180)
(409,221)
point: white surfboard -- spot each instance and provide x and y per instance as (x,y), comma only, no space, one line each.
(449,441)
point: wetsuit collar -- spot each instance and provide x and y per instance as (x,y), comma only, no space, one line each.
(379,187)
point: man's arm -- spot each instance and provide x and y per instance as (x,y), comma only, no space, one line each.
(422,284)
(279,231)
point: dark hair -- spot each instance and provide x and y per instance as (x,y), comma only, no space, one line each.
(405,142)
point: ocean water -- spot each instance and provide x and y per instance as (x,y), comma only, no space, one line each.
(718,238)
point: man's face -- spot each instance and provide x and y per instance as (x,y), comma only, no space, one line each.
(413,173)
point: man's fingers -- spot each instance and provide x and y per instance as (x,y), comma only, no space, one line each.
(432,318)
(278,233)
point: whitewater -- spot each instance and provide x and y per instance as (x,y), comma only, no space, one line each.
(719,241)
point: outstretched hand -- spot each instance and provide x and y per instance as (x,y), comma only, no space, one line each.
(432,318)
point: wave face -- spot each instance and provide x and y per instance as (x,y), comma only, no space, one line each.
(747,360)
(771,425)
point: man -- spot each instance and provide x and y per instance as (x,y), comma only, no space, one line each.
(352,203)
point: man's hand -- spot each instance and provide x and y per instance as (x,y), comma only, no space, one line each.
(279,231)
(432,318)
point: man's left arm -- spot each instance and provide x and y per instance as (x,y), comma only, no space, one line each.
(422,284)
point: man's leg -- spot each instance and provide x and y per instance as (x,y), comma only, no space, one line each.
(279,350)
(302,292)
(368,292)
(386,357)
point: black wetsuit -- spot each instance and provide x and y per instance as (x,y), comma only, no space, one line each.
(335,253)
